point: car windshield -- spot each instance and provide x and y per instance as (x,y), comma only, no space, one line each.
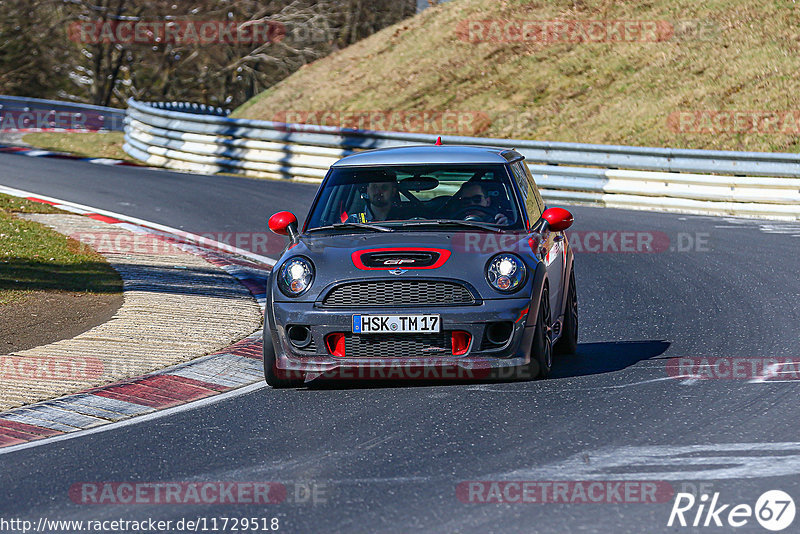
(414,195)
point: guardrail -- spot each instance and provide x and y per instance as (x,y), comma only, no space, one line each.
(199,139)
(21,113)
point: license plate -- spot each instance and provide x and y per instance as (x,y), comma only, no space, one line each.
(396,324)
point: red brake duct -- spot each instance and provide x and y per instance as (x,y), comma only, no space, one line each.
(335,344)
(460,342)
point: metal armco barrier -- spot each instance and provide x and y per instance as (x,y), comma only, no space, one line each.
(200,139)
(20,113)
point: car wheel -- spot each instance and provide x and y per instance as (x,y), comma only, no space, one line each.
(542,346)
(277,378)
(568,342)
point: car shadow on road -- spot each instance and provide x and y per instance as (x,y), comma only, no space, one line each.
(590,359)
(606,357)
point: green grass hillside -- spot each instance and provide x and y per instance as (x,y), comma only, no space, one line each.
(720,74)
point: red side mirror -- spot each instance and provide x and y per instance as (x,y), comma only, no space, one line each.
(283,223)
(558,219)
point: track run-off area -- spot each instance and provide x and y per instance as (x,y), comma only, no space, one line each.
(686,380)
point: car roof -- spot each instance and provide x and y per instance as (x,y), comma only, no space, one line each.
(430,154)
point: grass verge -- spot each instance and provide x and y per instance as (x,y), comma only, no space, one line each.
(88,144)
(35,258)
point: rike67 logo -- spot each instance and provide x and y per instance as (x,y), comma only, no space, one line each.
(774,510)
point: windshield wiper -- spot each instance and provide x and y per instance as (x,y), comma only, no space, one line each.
(365,226)
(440,222)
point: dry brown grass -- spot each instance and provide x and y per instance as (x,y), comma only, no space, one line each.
(735,55)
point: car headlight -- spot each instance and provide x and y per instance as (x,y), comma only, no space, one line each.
(295,276)
(506,273)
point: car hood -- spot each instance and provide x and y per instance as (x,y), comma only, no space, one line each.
(467,254)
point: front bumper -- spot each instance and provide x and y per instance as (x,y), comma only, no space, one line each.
(515,352)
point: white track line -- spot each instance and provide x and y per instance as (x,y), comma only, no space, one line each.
(197,239)
(139,419)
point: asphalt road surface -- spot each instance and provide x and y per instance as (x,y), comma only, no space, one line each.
(400,457)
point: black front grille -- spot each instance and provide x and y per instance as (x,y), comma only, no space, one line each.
(399,293)
(398,345)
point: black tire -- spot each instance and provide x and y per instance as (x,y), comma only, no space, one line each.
(278,378)
(568,342)
(542,346)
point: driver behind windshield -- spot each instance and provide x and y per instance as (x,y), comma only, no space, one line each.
(472,202)
(381,200)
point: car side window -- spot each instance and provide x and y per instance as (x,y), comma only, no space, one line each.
(530,194)
(535,189)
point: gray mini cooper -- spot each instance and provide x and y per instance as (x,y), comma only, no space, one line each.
(422,262)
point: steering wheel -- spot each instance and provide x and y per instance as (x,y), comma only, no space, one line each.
(468,213)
